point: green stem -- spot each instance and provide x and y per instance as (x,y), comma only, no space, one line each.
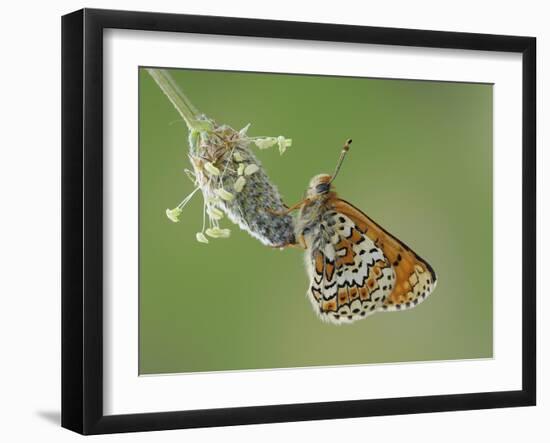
(182,104)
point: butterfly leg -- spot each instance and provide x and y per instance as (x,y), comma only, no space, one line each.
(288,245)
(289,210)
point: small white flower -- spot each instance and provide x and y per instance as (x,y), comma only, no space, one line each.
(215,213)
(211,169)
(218,233)
(201,237)
(240,169)
(173,214)
(283,144)
(238,157)
(224,195)
(251,169)
(239,184)
(224,233)
(264,143)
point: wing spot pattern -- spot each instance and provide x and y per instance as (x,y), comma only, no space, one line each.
(355,277)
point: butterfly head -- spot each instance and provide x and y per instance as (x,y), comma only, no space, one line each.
(321,184)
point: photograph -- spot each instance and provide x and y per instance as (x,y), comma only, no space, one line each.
(256,222)
(299,221)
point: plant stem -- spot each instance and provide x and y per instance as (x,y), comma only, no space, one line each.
(182,104)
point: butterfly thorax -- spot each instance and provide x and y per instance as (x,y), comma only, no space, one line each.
(313,225)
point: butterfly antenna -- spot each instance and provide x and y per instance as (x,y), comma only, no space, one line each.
(345,150)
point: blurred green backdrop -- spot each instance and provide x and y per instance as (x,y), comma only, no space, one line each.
(420,165)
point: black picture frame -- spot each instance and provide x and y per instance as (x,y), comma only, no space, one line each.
(82,220)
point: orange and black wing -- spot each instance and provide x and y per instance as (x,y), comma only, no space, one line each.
(415,279)
(350,278)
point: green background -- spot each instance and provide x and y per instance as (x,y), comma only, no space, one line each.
(420,165)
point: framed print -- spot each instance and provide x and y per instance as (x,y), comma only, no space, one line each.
(269,221)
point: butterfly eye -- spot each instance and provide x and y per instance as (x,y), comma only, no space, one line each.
(322,188)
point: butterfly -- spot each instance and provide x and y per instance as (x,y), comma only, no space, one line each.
(356,267)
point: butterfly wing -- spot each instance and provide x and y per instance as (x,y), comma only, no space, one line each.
(415,278)
(357,268)
(350,276)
